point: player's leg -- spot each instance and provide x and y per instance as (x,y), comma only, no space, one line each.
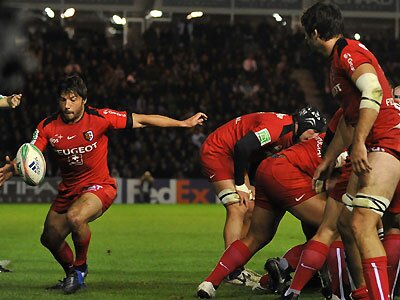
(88,207)
(376,190)
(262,229)
(235,210)
(55,230)
(316,250)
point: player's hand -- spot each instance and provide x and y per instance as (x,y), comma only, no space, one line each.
(14,100)
(195,120)
(321,174)
(7,171)
(244,197)
(359,159)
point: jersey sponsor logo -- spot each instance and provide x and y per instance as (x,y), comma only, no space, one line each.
(336,90)
(70,137)
(112,112)
(55,139)
(88,135)
(263,136)
(299,198)
(75,160)
(35,136)
(77,150)
(363,46)
(347,57)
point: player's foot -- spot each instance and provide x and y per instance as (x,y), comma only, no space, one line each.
(4,270)
(84,269)
(73,282)
(58,286)
(243,276)
(206,290)
(280,280)
(291,296)
(326,283)
(263,286)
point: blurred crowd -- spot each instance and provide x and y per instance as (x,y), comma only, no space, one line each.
(177,70)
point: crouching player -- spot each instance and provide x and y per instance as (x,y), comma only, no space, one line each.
(77,134)
(282,184)
(227,152)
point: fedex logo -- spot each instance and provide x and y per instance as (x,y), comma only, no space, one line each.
(77,150)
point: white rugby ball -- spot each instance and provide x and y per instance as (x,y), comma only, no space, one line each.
(31,164)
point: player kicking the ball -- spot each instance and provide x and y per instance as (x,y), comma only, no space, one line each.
(78,136)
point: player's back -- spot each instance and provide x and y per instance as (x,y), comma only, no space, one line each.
(306,155)
(272,128)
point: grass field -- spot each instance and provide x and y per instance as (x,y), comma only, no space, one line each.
(136,252)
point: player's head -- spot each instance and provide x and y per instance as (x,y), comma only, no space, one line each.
(322,22)
(72,94)
(309,122)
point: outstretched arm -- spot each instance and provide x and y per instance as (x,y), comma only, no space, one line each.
(140,121)
(10,101)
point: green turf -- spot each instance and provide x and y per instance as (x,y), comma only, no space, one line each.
(136,252)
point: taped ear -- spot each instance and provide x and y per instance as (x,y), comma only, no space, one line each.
(84,101)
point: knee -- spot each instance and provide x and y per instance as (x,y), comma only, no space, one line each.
(49,238)
(360,225)
(74,219)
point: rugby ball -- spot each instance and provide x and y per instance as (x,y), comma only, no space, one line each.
(30,164)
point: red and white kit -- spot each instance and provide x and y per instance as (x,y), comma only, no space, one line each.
(81,153)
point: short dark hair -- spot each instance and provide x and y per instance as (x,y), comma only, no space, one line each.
(73,84)
(326,18)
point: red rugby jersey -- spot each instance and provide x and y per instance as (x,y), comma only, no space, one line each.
(81,148)
(346,57)
(274,130)
(306,155)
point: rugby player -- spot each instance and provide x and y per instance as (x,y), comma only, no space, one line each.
(282,184)
(359,84)
(77,134)
(227,151)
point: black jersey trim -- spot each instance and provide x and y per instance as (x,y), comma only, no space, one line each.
(341,44)
(93,111)
(129,119)
(50,119)
(286,129)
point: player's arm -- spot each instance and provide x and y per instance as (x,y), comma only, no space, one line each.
(341,140)
(241,155)
(141,120)
(10,101)
(366,80)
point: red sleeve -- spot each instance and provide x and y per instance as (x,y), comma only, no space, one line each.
(39,137)
(117,119)
(333,123)
(354,56)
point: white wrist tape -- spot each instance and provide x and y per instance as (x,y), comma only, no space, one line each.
(341,159)
(371,91)
(242,188)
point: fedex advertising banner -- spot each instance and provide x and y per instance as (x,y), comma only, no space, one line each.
(163,191)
